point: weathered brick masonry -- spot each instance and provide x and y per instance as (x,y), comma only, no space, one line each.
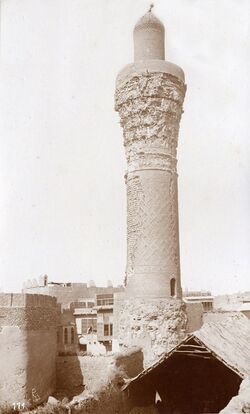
(157,325)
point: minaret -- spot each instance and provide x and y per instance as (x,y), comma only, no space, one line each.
(149,98)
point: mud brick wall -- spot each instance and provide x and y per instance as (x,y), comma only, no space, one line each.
(28,347)
(109,397)
(74,373)
(77,373)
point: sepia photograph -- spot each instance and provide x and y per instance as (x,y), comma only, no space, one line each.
(124,206)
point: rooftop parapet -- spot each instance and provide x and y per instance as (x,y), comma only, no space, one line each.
(26,300)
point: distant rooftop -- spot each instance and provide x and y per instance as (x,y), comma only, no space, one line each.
(196,293)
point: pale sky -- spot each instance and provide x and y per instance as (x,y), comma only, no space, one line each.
(62,162)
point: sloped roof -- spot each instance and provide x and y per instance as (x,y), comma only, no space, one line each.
(227,340)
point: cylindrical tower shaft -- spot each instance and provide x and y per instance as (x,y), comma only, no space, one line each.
(149,98)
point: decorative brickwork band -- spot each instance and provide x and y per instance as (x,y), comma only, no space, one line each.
(150,108)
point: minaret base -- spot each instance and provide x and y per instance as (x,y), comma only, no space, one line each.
(155,325)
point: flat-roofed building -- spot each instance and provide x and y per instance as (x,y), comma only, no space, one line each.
(203,297)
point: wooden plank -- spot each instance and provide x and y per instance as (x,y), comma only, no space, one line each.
(187,347)
(192,346)
(198,355)
(193,352)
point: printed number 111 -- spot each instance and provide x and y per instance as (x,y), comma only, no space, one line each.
(18,406)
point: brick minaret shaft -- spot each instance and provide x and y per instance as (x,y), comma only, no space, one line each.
(149,98)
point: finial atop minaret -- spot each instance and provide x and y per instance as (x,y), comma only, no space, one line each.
(150,7)
(149,36)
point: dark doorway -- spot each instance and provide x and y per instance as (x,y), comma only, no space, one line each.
(195,384)
(172,287)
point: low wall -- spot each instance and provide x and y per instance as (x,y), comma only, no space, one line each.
(27,348)
(109,398)
(77,373)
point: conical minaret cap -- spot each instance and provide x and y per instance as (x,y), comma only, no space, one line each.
(149,34)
